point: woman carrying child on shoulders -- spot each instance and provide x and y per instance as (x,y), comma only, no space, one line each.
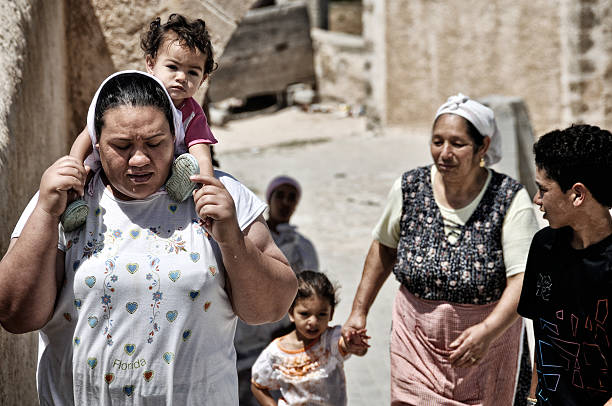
(179,53)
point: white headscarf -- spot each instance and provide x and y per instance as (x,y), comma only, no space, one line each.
(481,117)
(93,160)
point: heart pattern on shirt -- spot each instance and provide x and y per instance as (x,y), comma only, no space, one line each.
(186,335)
(92,321)
(168,357)
(195,256)
(132,268)
(148,375)
(194,294)
(129,349)
(90,281)
(171,315)
(92,362)
(174,275)
(131,307)
(134,233)
(206,306)
(109,377)
(128,390)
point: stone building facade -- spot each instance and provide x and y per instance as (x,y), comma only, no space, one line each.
(554,55)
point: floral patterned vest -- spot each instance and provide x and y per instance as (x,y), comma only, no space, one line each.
(471,270)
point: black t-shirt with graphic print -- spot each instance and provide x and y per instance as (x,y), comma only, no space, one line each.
(567,293)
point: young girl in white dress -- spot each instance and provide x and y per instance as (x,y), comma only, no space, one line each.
(307,365)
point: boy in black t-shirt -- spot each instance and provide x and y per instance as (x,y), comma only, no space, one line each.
(567,290)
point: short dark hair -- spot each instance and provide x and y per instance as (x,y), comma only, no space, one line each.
(191,33)
(471,130)
(312,283)
(132,89)
(580,153)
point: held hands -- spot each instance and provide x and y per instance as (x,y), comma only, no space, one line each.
(470,346)
(357,342)
(214,203)
(64,175)
(354,335)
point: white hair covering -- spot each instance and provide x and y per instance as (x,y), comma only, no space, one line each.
(93,160)
(481,117)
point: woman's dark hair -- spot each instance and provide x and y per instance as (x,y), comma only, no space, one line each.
(580,153)
(132,89)
(471,130)
(311,283)
(192,34)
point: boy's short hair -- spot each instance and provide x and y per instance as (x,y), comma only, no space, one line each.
(191,33)
(580,153)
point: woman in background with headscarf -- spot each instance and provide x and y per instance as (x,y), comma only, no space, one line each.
(456,235)
(283,194)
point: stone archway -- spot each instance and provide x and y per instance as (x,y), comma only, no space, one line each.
(53,56)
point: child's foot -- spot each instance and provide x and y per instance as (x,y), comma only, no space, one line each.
(179,186)
(75,215)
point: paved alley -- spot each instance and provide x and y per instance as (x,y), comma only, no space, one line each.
(345,173)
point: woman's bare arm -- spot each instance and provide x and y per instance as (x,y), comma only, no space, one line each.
(32,269)
(262,283)
(377,268)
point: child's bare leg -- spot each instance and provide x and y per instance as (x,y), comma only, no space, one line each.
(202,153)
(81,148)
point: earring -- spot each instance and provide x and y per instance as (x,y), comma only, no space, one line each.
(482,162)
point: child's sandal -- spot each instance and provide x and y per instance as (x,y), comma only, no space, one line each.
(178,185)
(75,215)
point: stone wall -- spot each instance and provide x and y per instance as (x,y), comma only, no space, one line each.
(345,16)
(556,57)
(340,65)
(438,48)
(587,61)
(33,127)
(113,29)
(53,56)
(270,50)
(374,35)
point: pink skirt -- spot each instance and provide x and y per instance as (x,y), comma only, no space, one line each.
(421,373)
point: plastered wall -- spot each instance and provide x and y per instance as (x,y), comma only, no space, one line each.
(554,55)
(33,128)
(438,48)
(53,56)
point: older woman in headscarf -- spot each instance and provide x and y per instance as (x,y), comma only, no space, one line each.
(456,235)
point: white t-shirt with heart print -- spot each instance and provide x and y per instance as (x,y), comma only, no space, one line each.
(143,316)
